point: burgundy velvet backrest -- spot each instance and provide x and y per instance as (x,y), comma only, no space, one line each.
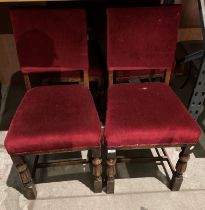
(50,39)
(142,37)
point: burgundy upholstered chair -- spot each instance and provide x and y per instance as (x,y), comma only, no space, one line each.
(43,50)
(146,115)
(53,119)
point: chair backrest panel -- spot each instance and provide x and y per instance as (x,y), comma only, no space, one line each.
(142,37)
(50,39)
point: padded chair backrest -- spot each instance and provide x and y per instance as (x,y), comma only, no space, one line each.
(142,37)
(50,39)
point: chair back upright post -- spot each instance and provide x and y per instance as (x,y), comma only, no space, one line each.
(27,81)
(168,73)
(86,78)
(110,78)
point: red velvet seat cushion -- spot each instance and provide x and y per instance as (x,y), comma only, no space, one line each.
(53,118)
(147,114)
(142,38)
(50,39)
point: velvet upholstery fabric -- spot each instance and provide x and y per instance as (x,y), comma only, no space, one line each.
(147,114)
(52,118)
(142,38)
(50,40)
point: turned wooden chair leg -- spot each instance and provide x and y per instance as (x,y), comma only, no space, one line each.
(181,166)
(97,170)
(111,170)
(29,189)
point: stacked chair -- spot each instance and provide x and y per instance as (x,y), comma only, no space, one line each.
(63,118)
(147,115)
(46,51)
(53,119)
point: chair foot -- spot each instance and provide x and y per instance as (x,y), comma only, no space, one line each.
(97,170)
(29,189)
(111,170)
(176,182)
(110,185)
(181,166)
(98,185)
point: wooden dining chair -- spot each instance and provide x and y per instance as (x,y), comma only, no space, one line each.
(59,118)
(145,115)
